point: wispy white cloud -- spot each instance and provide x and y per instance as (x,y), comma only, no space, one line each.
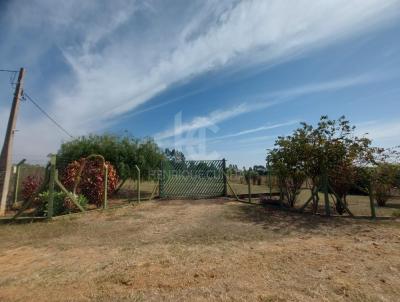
(122,53)
(257,129)
(256,139)
(277,97)
(326,86)
(383,133)
(199,122)
(219,116)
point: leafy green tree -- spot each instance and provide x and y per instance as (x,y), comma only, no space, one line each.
(384,178)
(328,153)
(174,155)
(123,152)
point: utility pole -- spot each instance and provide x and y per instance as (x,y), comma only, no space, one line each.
(6,152)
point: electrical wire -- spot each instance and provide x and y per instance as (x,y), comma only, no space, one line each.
(13,75)
(27,96)
(8,70)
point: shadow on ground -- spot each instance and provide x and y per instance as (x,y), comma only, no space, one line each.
(284,222)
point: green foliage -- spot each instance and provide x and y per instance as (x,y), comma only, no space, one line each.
(122,152)
(331,148)
(384,178)
(251,176)
(288,164)
(62,204)
(174,155)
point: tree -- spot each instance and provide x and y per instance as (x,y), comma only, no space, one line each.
(287,163)
(86,177)
(326,154)
(384,178)
(123,152)
(174,155)
(261,170)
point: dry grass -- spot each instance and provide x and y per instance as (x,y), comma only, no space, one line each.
(208,250)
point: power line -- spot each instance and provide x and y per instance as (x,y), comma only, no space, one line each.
(8,70)
(25,95)
(13,75)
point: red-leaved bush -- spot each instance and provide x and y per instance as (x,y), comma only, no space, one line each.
(91,183)
(29,186)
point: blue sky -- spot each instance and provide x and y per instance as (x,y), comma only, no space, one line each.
(212,78)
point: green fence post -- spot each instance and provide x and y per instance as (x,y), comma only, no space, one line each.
(50,204)
(138,183)
(224,177)
(249,186)
(371,201)
(326,195)
(269,178)
(105,203)
(16,185)
(161,182)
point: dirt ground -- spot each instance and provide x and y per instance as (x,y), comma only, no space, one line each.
(207,250)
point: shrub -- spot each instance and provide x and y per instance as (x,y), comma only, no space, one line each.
(91,183)
(384,178)
(329,150)
(62,204)
(29,186)
(382,194)
(123,152)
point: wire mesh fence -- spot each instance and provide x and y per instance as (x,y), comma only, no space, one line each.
(198,179)
(193,179)
(358,202)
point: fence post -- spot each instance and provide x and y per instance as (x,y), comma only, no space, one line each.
(224,177)
(326,195)
(249,186)
(269,178)
(138,183)
(16,185)
(105,202)
(50,203)
(161,181)
(371,200)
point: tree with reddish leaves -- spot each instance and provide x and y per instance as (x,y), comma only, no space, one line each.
(29,186)
(86,177)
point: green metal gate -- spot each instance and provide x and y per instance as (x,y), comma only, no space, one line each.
(193,179)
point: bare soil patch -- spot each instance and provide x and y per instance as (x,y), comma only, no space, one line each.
(207,250)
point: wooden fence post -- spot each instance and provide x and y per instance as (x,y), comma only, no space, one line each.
(326,195)
(138,183)
(269,177)
(105,202)
(225,193)
(371,201)
(50,203)
(249,187)
(161,182)
(16,184)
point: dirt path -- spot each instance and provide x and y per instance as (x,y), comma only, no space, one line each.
(200,251)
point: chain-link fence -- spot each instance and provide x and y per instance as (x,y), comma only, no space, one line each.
(193,179)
